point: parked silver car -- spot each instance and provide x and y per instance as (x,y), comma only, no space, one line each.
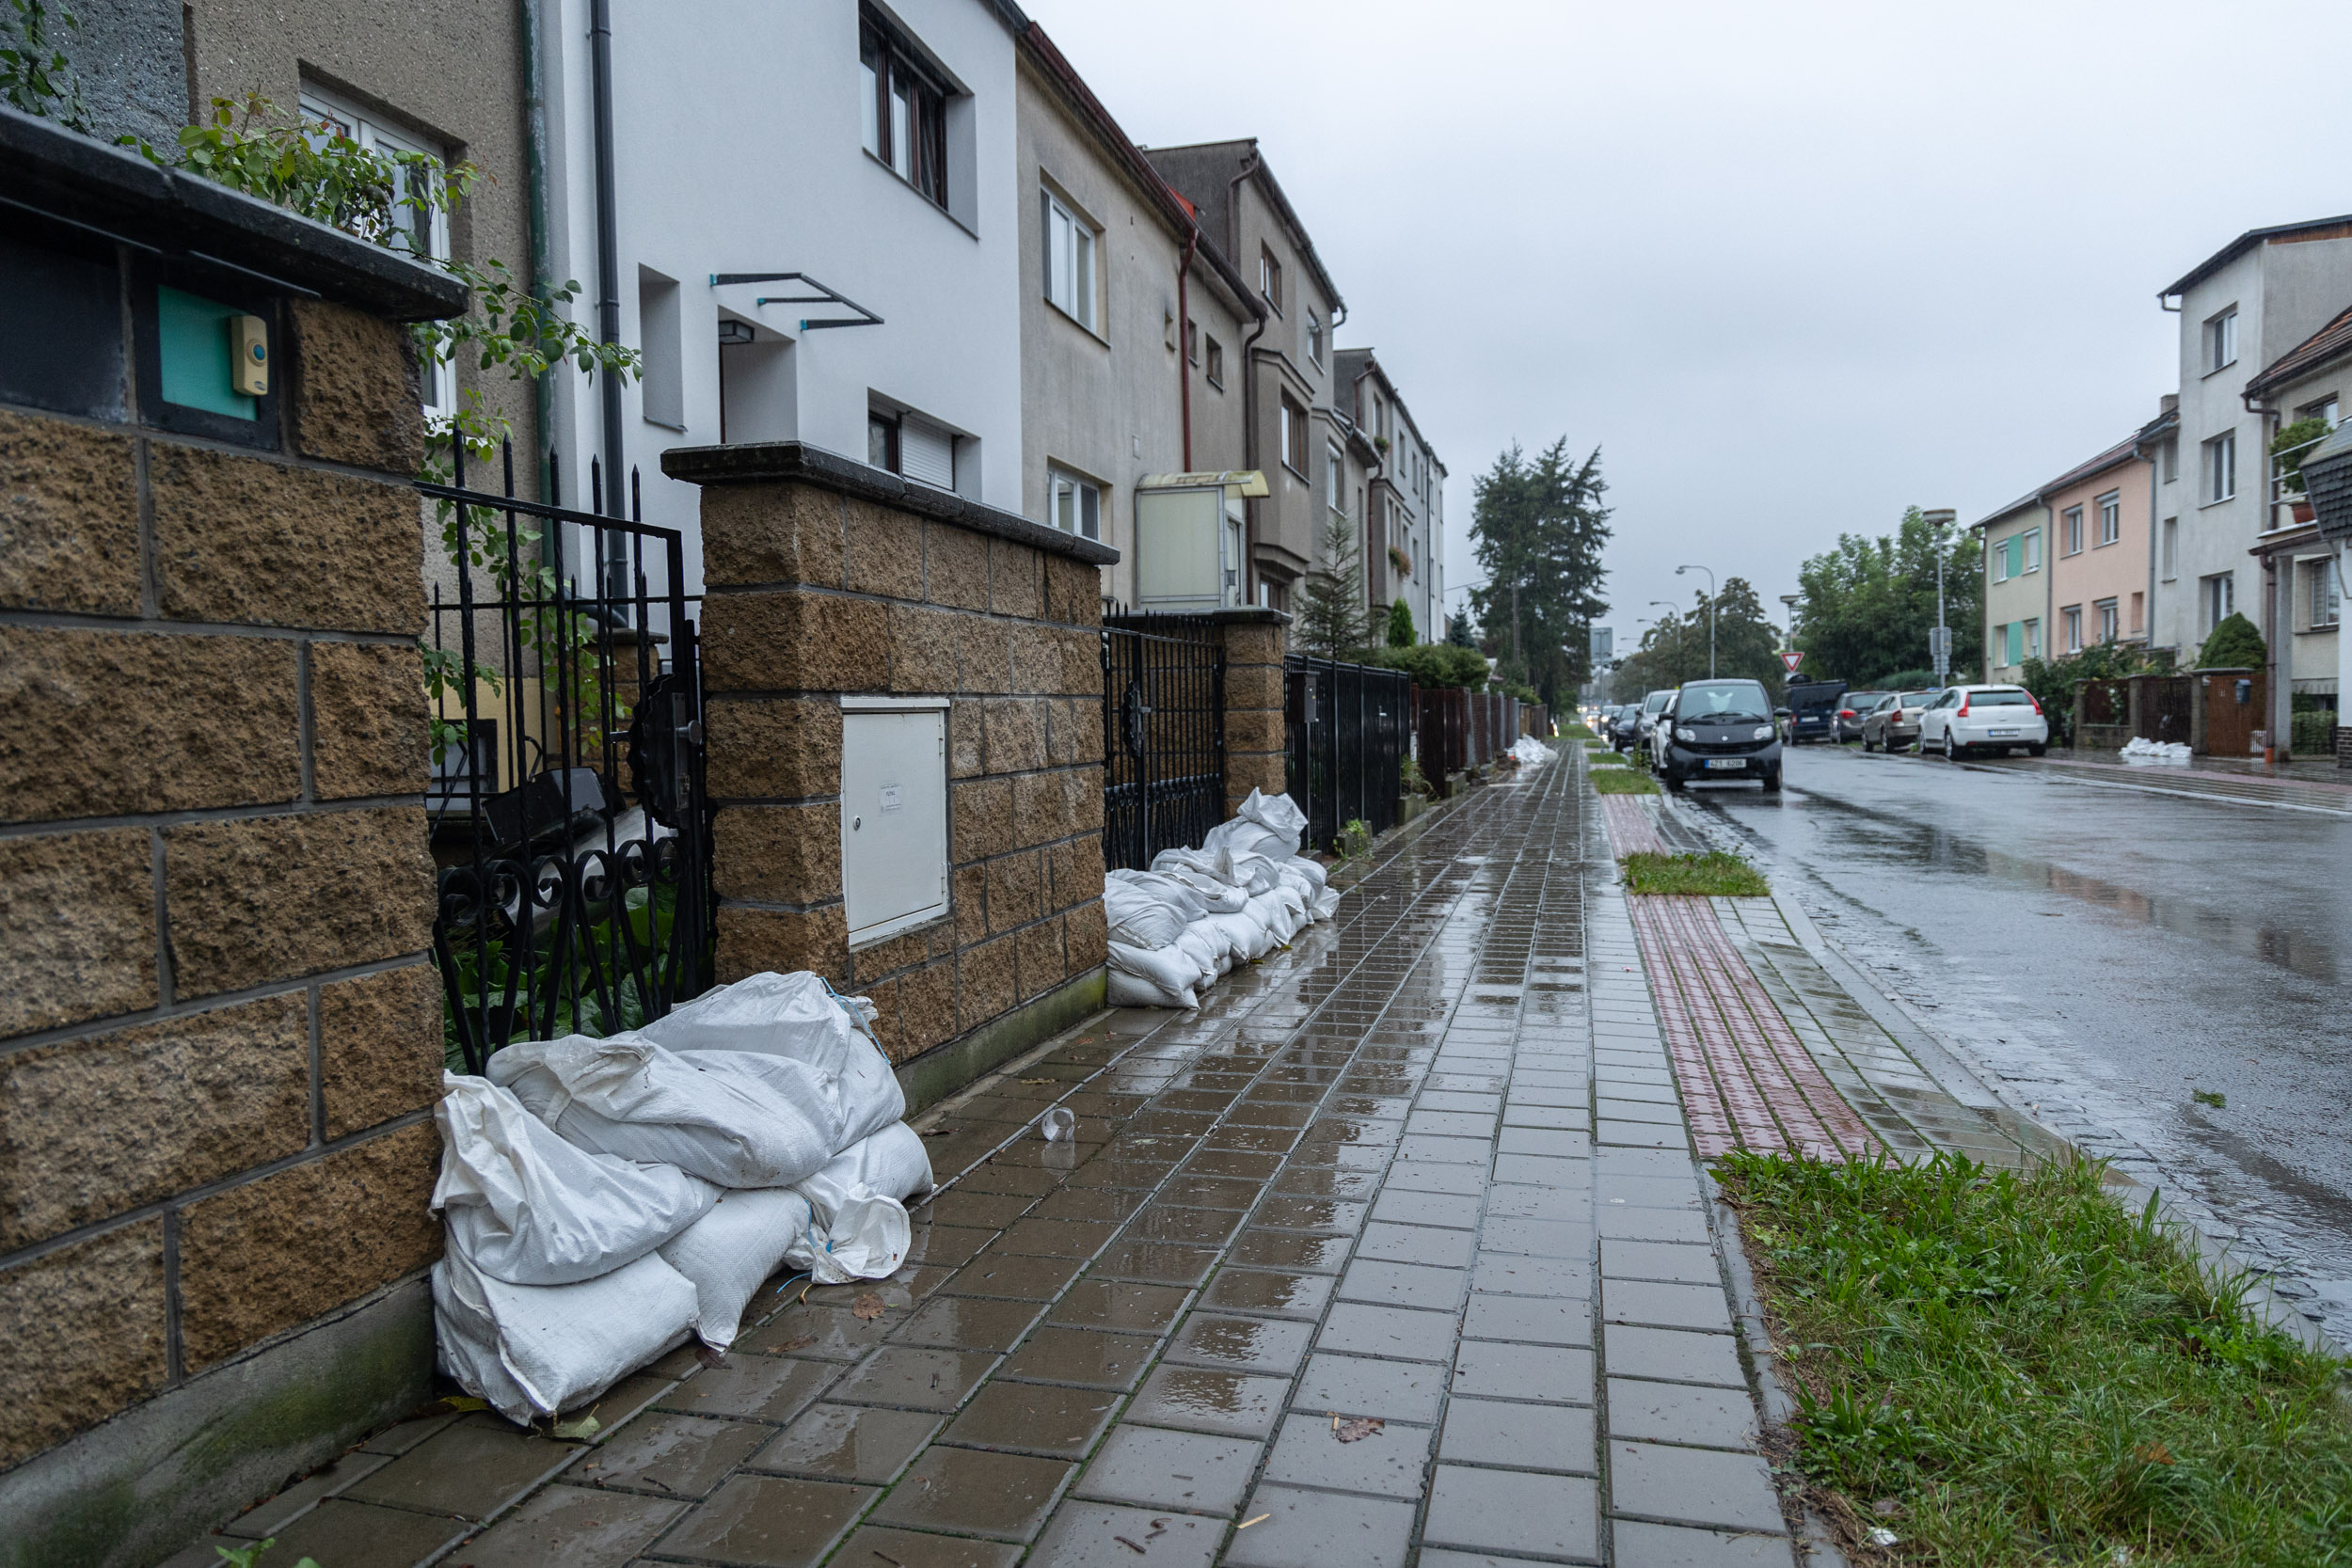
(1892,725)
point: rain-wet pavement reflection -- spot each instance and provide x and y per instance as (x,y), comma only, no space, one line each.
(2109,955)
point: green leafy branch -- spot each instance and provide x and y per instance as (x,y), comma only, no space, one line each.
(34,75)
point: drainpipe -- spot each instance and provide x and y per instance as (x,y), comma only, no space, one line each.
(607,270)
(1184,339)
(1248,380)
(542,258)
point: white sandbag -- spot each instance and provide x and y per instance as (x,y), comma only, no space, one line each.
(892,1161)
(534,1351)
(731,1251)
(1299,885)
(1247,838)
(1138,918)
(1279,813)
(1211,873)
(1206,949)
(1183,897)
(1246,935)
(529,1207)
(1122,990)
(857,1232)
(1528,752)
(1326,904)
(740,1118)
(1170,968)
(797,1018)
(1312,870)
(1283,911)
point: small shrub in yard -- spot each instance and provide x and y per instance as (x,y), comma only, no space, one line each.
(1999,1368)
(1622,781)
(1714,875)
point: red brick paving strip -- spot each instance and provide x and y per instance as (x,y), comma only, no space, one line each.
(1746,1080)
(1631,829)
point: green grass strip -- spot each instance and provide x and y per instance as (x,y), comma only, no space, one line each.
(1575,729)
(1622,781)
(1714,875)
(2011,1368)
(1608,759)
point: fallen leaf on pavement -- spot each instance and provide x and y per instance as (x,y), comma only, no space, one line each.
(583,1427)
(1357,1429)
(798,1341)
(867,1306)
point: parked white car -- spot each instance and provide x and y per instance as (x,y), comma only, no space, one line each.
(1966,719)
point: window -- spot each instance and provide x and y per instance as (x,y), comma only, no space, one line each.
(2072,520)
(1293,436)
(1192,340)
(1270,278)
(2031,540)
(1314,337)
(1069,260)
(2110,517)
(1216,371)
(421,232)
(2221,339)
(2003,559)
(2217,598)
(2071,626)
(905,111)
(881,442)
(1335,478)
(2217,480)
(2139,613)
(2170,460)
(2170,547)
(2108,628)
(2326,593)
(1075,505)
(2324,410)
(2033,638)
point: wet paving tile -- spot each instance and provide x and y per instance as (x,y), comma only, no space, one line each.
(1274,1292)
(1679,1413)
(767,1522)
(1364,1385)
(1086,1534)
(1674,1355)
(1457,1211)
(1083,1355)
(1510,1510)
(1659,1260)
(829,1332)
(471,1469)
(680,1456)
(1253,1140)
(985,1211)
(872,1545)
(1055,1238)
(1195,1399)
(1417,1244)
(1695,1486)
(367,1535)
(944,1246)
(1360,1329)
(1558,1439)
(1097,1205)
(915,1379)
(1209,1191)
(754,1387)
(1234,1163)
(1153,1467)
(1156,1262)
(572,1527)
(1309,1452)
(848,1442)
(1034,1418)
(1268,1345)
(1664,1306)
(1012,1179)
(1283,1249)
(999,1273)
(1122,1173)
(1191,1226)
(1328,1181)
(968,1323)
(1312,1530)
(1511,1273)
(1550,1373)
(1416,1176)
(900,1292)
(1404,1285)
(972,1492)
(1538,1237)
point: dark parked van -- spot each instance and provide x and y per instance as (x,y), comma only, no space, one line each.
(1813,710)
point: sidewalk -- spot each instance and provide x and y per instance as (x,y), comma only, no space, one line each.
(1396,1247)
(2300,786)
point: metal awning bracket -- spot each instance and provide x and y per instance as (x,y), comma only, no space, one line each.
(822,296)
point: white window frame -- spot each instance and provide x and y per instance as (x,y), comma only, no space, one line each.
(2032,537)
(2033,638)
(1074,503)
(2110,516)
(2110,615)
(2071,628)
(316,104)
(2218,483)
(1314,337)
(1069,247)
(2000,561)
(2073,519)
(2221,339)
(2327,596)
(1335,478)
(2216,599)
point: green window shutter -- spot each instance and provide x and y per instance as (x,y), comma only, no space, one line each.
(2017,642)
(2017,555)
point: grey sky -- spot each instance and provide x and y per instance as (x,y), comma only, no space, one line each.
(1791,267)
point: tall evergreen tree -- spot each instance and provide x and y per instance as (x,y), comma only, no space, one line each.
(1540,528)
(1457,630)
(1331,619)
(1402,633)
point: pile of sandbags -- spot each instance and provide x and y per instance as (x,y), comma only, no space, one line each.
(1528,752)
(1185,923)
(604,1199)
(2142,750)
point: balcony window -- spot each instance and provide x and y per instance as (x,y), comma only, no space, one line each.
(905,110)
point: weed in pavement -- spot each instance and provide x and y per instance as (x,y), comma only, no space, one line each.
(1623,781)
(2011,1368)
(1713,874)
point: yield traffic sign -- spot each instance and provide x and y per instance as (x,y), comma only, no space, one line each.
(1792,660)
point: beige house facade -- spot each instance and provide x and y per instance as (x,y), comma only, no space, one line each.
(2016,588)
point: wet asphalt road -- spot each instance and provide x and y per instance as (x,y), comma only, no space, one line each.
(2106,950)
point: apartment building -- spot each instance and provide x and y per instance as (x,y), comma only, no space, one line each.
(809,219)
(1131,322)
(2301,578)
(2244,307)
(1283,363)
(2016,587)
(1401,515)
(2098,552)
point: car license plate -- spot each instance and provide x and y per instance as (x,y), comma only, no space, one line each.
(2002,735)
(1726,762)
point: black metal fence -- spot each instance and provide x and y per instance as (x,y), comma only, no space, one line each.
(1163,734)
(1350,728)
(569,815)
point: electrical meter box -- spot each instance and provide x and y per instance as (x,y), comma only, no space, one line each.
(894,813)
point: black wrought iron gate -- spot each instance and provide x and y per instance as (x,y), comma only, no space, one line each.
(570,824)
(1163,734)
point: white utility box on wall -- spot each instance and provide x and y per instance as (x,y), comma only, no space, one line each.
(894,813)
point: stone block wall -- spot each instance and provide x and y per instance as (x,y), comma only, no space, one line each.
(219,1033)
(1256,743)
(826,579)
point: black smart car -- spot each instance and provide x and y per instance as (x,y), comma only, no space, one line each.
(1719,729)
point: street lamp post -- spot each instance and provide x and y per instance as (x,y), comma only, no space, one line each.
(1940,645)
(1669,604)
(1710,614)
